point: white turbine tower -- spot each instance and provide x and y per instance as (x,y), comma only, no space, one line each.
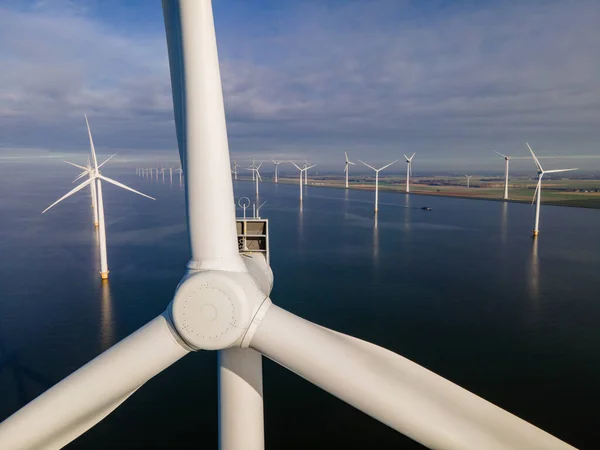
(377,180)
(96,178)
(468,179)
(306,172)
(256,176)
(222,303)
(180,170)
(408,171)
(234,171)
(346,168)
(252,167)
(302,171)
(506,160)
(276,170)
(537,195)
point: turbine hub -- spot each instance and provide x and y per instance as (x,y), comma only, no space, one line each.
(212,310)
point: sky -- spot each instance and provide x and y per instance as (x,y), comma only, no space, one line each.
(452,81)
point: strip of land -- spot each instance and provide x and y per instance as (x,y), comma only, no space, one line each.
(561,192)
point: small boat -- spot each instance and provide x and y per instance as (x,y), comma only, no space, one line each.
(426,208)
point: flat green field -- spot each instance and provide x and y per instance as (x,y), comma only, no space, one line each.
(563,192)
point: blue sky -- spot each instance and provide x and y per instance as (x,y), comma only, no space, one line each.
(450,80)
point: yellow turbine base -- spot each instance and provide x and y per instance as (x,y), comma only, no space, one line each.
(96,224)
(104,275)
(535,233)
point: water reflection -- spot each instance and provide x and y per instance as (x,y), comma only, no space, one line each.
(375,239)
(407,212)
(534,273)
(106,325)
(504,222)
(300,226)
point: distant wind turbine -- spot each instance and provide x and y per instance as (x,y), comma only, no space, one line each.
(506,159)
(180,170)
(276,170)
(97,177)
(256,178)
(468,179)
(408,171)
(234,171)
(252,167)
(346,168)
(306,172)
(302,170)
(377,180)
(538,189)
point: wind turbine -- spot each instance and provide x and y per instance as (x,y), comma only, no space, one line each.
(222,303)
(96,178)
(180,170)
(252,167)
(506,159)
(257,178)
(234,171)
(276,170)
(377,180)
(171,175)
(306,172)
(346,168)
(89,171)
(468,179)
(408,171)
(538,189)
(302,170)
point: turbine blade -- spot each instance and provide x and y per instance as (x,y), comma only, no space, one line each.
(369,166)
(296,166)
(92,148)
(76,165)
(200,121)
(559,170)
(535,160)
(498,153)
(387,165)
(258,175)
(407,158)
(121,185)
(346,155)
(310,167)
(350,162)
(68,194)
(81,175)
(392,389)
(413,155)
(85,397)
(537,188)
(109,158)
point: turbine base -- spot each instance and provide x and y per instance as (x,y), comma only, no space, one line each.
(104,275)
(535,233)
(96,224)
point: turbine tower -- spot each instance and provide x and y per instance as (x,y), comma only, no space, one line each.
(234,171)
(346,168)
(306,172)
(252,167)
(468,179)
(276,170)
(302,170)
(377,180)
(97,178)
(408,171)
(222,303)
(257,178)
(506,159)
(537,195)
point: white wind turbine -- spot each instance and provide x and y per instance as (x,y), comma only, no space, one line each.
(506,159)
(180,170)
(256,178)
(302,170)
(538,189)
(306,172)
(468,179)
(276,169)
(96,178)
(222,303)
(89,171)
(346,167)
(377,180)
(408,171)
(235,167)
(252,167)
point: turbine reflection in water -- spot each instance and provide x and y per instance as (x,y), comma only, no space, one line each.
(106,325)
(375,239)
(534,274)
(504,222)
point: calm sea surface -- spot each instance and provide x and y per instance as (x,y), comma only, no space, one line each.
(463,290)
